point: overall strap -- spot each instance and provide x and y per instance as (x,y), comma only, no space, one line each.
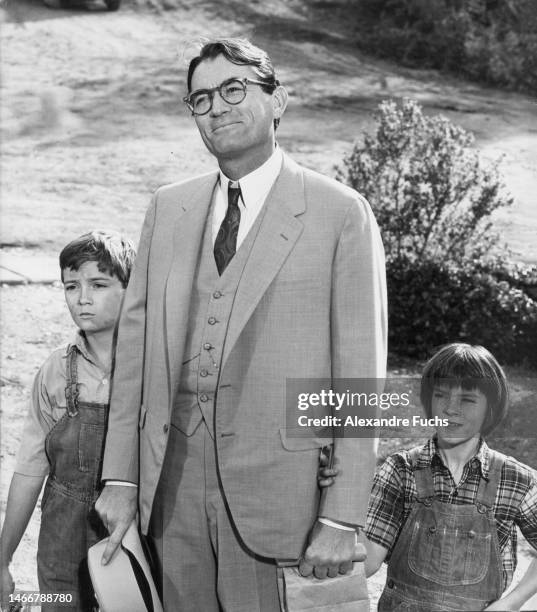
(423,477)
(71,389)
(486,493)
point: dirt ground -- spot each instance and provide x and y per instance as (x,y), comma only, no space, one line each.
(92,122)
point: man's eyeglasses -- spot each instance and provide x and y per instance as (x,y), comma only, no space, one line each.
(232,91)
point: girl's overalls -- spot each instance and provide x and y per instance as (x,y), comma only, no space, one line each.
(447,556)
(69,523)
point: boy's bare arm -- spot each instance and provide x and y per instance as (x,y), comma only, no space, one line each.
(22,498)
(526,588)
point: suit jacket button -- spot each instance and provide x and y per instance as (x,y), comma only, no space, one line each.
(207,346)
(165,428)
(217,294)
(203,373)
(211,320)
(203,397)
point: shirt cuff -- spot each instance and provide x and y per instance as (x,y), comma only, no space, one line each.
(330,523)
(124,483)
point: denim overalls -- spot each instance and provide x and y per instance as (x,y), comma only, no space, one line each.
(69,524)
(447,556)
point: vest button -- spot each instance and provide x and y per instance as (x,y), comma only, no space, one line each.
(211,320)
(390,583)
(217,294)
(471,533)
(165,428)
(204,397)
(203,373)
(207,346)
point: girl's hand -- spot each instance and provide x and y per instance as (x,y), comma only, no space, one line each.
(326,476)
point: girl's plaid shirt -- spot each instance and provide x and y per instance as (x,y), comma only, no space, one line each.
(394,492)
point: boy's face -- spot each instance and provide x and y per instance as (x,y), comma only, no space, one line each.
(93,297)
(466,411)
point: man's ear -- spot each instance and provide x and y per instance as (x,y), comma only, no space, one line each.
(279,101)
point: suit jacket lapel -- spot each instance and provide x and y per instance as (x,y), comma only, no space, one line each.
(277,236)
(187,240)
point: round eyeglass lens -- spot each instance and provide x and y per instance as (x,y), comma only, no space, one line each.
(233,91)
(201,103)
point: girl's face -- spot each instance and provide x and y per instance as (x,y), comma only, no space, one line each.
(465,410)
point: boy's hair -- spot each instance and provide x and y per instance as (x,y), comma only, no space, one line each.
(113,253)
(470,367)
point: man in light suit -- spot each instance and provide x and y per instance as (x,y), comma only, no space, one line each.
(245,277)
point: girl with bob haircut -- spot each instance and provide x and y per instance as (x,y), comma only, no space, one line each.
(443,516)
(473,367)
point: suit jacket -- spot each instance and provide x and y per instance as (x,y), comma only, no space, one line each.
(311,303)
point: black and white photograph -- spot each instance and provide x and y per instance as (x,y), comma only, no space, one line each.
(268,297)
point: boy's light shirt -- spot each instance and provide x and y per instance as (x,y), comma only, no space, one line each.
(47,403)
(255,188)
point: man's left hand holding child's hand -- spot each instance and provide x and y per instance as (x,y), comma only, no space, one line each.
(117,507)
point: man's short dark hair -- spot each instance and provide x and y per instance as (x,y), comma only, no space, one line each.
(113,253)
(470,367)
(241,52)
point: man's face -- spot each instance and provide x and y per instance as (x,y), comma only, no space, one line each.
(93,298)
(233,131)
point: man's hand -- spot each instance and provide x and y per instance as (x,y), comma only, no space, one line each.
(7,586)
(329,553)
(116,506)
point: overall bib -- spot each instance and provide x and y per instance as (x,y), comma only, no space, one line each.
(69,523)
(447,556)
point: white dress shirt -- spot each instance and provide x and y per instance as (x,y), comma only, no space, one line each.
(255,188)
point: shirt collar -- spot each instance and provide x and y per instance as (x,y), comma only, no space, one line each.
(256,185)
(481,458)
(79,343)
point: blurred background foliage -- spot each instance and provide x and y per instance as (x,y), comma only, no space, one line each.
(492,41)
(450,276)
(489,41)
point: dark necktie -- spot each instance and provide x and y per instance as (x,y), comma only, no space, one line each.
(226,241)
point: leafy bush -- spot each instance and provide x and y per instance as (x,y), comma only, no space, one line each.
(449,278)
(507,59)
(431,194)
(432,303)
(495,42)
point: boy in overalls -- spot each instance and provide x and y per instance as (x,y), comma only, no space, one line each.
(64,430)
(443,515)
